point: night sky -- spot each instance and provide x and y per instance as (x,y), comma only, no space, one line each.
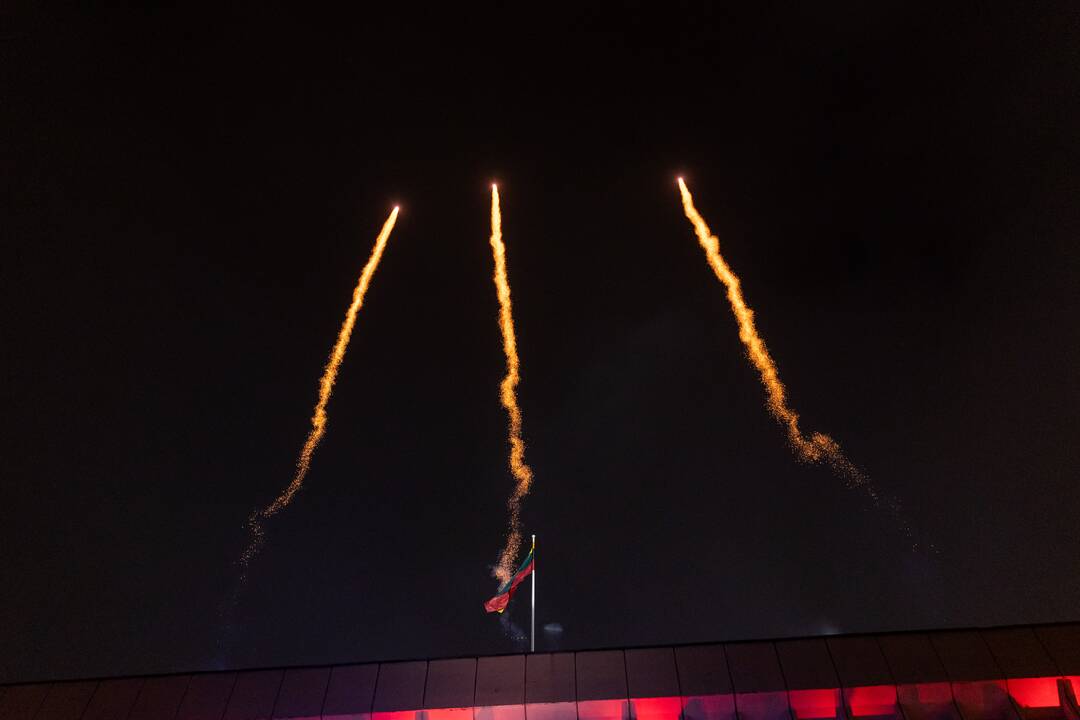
(188,196)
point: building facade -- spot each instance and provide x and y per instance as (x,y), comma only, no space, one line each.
(1013,673)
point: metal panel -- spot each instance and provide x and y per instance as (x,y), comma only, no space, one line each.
(703,670)
(551,711)
(869,689)
(207,696)
(927,701)
(601,685)
(912,658)
(253,695)
(160,698)
(806,664)
(978,683)
(549,687)
(763,705)
(983,700)
(922,683)
(350,693)
(500,680)
(601,675)
(708,707)
(549,678)
(705,683)
(1063,644)
(1032,677)
(1019,653)
(302,693)
(760,693)
(652,673)
(67,701)
(859,662)
(754,667)
(966,656)
(113,699)
(450,683)
(400,686)
(813,687)
(21,702)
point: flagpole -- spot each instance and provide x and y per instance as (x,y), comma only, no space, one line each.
(532,621)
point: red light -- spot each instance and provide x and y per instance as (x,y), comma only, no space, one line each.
(1035,692)
(603,710)
(551,711)
(871,700)
(807,704)
(977,700)
(658,708)
(450,714)
(397,715)
(501,712)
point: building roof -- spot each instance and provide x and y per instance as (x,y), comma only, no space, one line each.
(1014,673)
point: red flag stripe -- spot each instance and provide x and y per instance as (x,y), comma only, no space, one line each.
(499,602)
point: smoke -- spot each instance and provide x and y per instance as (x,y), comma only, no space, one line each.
(255,522)
(511,630)
(522,473)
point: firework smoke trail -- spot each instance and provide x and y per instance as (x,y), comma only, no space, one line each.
(326,386)
(508,394)
(818,446)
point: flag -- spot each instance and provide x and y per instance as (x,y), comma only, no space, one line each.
(502,598)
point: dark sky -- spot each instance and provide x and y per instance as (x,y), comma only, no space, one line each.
(189,196)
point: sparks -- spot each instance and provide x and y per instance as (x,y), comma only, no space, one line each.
(326,387)
(816,448)
(522,473)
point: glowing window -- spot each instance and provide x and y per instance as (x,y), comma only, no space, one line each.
(603,710)
(810,704)
(657,708)
(1035,692)
(872,700)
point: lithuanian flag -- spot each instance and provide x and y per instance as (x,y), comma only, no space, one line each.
(502,598)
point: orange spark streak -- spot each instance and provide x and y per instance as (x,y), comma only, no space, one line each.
(508,394)
(818,446)
(326,386)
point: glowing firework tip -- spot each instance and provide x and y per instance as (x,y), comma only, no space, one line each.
(522,473)
(326,386)
(818,446)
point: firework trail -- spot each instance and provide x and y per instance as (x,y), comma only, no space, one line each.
(818,447)
(508,394)
(326,386)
